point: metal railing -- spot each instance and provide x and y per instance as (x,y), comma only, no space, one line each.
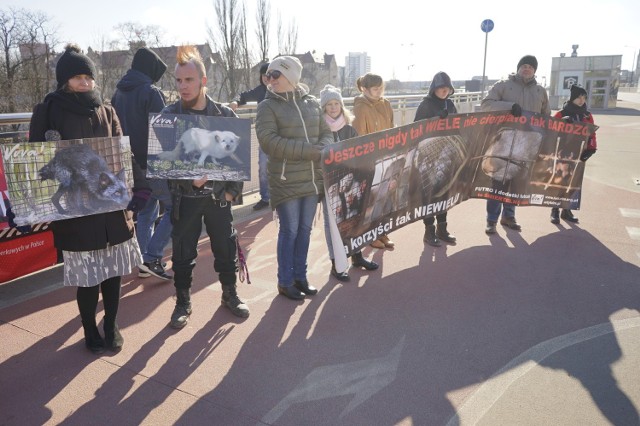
(404,107)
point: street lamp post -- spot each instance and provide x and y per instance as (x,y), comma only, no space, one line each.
(633,66)
(486,26)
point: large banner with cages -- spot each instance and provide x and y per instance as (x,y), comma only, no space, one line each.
(377,183)
(56,180)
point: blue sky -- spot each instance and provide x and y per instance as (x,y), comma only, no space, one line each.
(411,40)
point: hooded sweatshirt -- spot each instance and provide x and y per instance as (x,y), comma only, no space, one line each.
(431,105)
(136,97)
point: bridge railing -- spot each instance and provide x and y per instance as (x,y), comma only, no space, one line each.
(15,126)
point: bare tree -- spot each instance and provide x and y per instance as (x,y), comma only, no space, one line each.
(134,35)
(26,40)
(228,38)
(263,19)
(287,37)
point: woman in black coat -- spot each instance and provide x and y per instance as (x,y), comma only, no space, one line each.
(100,248)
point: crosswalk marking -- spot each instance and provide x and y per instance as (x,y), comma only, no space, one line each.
(633,232)
(630,213)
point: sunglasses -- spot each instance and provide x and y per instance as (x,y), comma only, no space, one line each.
(273,75)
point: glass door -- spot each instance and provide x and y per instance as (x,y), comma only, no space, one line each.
(597,93)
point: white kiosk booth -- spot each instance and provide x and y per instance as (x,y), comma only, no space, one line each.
(599,75)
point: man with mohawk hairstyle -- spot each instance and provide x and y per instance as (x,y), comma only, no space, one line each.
(201,199)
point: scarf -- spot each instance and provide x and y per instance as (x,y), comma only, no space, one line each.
(81,103)
(336,124)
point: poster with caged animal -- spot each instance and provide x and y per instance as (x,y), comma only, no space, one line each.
(56,180)
(189,146)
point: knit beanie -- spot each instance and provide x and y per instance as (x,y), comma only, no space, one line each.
(73,62)
(529,60)
(330,93)
(289,66)
(149,63)
(576,92)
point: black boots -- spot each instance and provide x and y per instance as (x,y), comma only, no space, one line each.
(182,311)
(510,222)
(92,339)
(490,228)
(231,300)
(430,236)
(341,276)
(565,215)
(305,287)
(568,216)
(358,261)
(443,234)
(112,337)
(291,292)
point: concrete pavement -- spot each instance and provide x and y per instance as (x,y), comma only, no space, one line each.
(530,328)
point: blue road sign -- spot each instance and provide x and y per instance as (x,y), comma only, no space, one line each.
(487,25)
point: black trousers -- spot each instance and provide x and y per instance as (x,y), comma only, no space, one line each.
(218,222)
(442,218)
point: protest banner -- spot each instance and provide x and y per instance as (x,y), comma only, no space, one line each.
(380,182)
(189,146)
(56,180)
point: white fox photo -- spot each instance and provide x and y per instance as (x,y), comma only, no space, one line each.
(199,144)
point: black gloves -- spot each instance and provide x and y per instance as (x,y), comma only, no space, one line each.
(586,154)
(516,110)
(139,199)
(444,113)
(24,229)
(567,119)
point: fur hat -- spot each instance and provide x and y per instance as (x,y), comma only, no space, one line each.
(73,62)
(529,60)
(330,93)
(149,63)
(289,66)
(576,92)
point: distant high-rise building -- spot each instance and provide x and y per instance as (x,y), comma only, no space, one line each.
(355,65)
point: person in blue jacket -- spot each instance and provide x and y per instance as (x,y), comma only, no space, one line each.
(135,98)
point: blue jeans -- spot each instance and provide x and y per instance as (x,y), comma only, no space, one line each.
(152,243)
(295,218)
(262,175)
(494,207)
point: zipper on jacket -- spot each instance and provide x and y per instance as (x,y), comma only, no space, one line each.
(306,135)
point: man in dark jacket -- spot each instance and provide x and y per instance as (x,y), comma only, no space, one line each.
(136,97)
(257,94)
(201,199)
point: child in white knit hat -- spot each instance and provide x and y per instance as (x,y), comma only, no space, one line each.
(339,121)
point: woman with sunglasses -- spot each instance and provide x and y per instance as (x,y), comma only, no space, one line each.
(292,132)
(373,113)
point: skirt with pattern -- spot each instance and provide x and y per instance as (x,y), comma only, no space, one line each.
(90,268)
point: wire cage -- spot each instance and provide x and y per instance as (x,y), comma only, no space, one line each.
(63,179)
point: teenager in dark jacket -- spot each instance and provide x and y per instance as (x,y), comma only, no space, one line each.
(201,199)
(437,104)
(100,248)
(339,121)
(575,110)
(136,97)
(257,94)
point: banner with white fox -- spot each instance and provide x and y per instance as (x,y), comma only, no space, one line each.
(190,146)
(58,180)
(380,182)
